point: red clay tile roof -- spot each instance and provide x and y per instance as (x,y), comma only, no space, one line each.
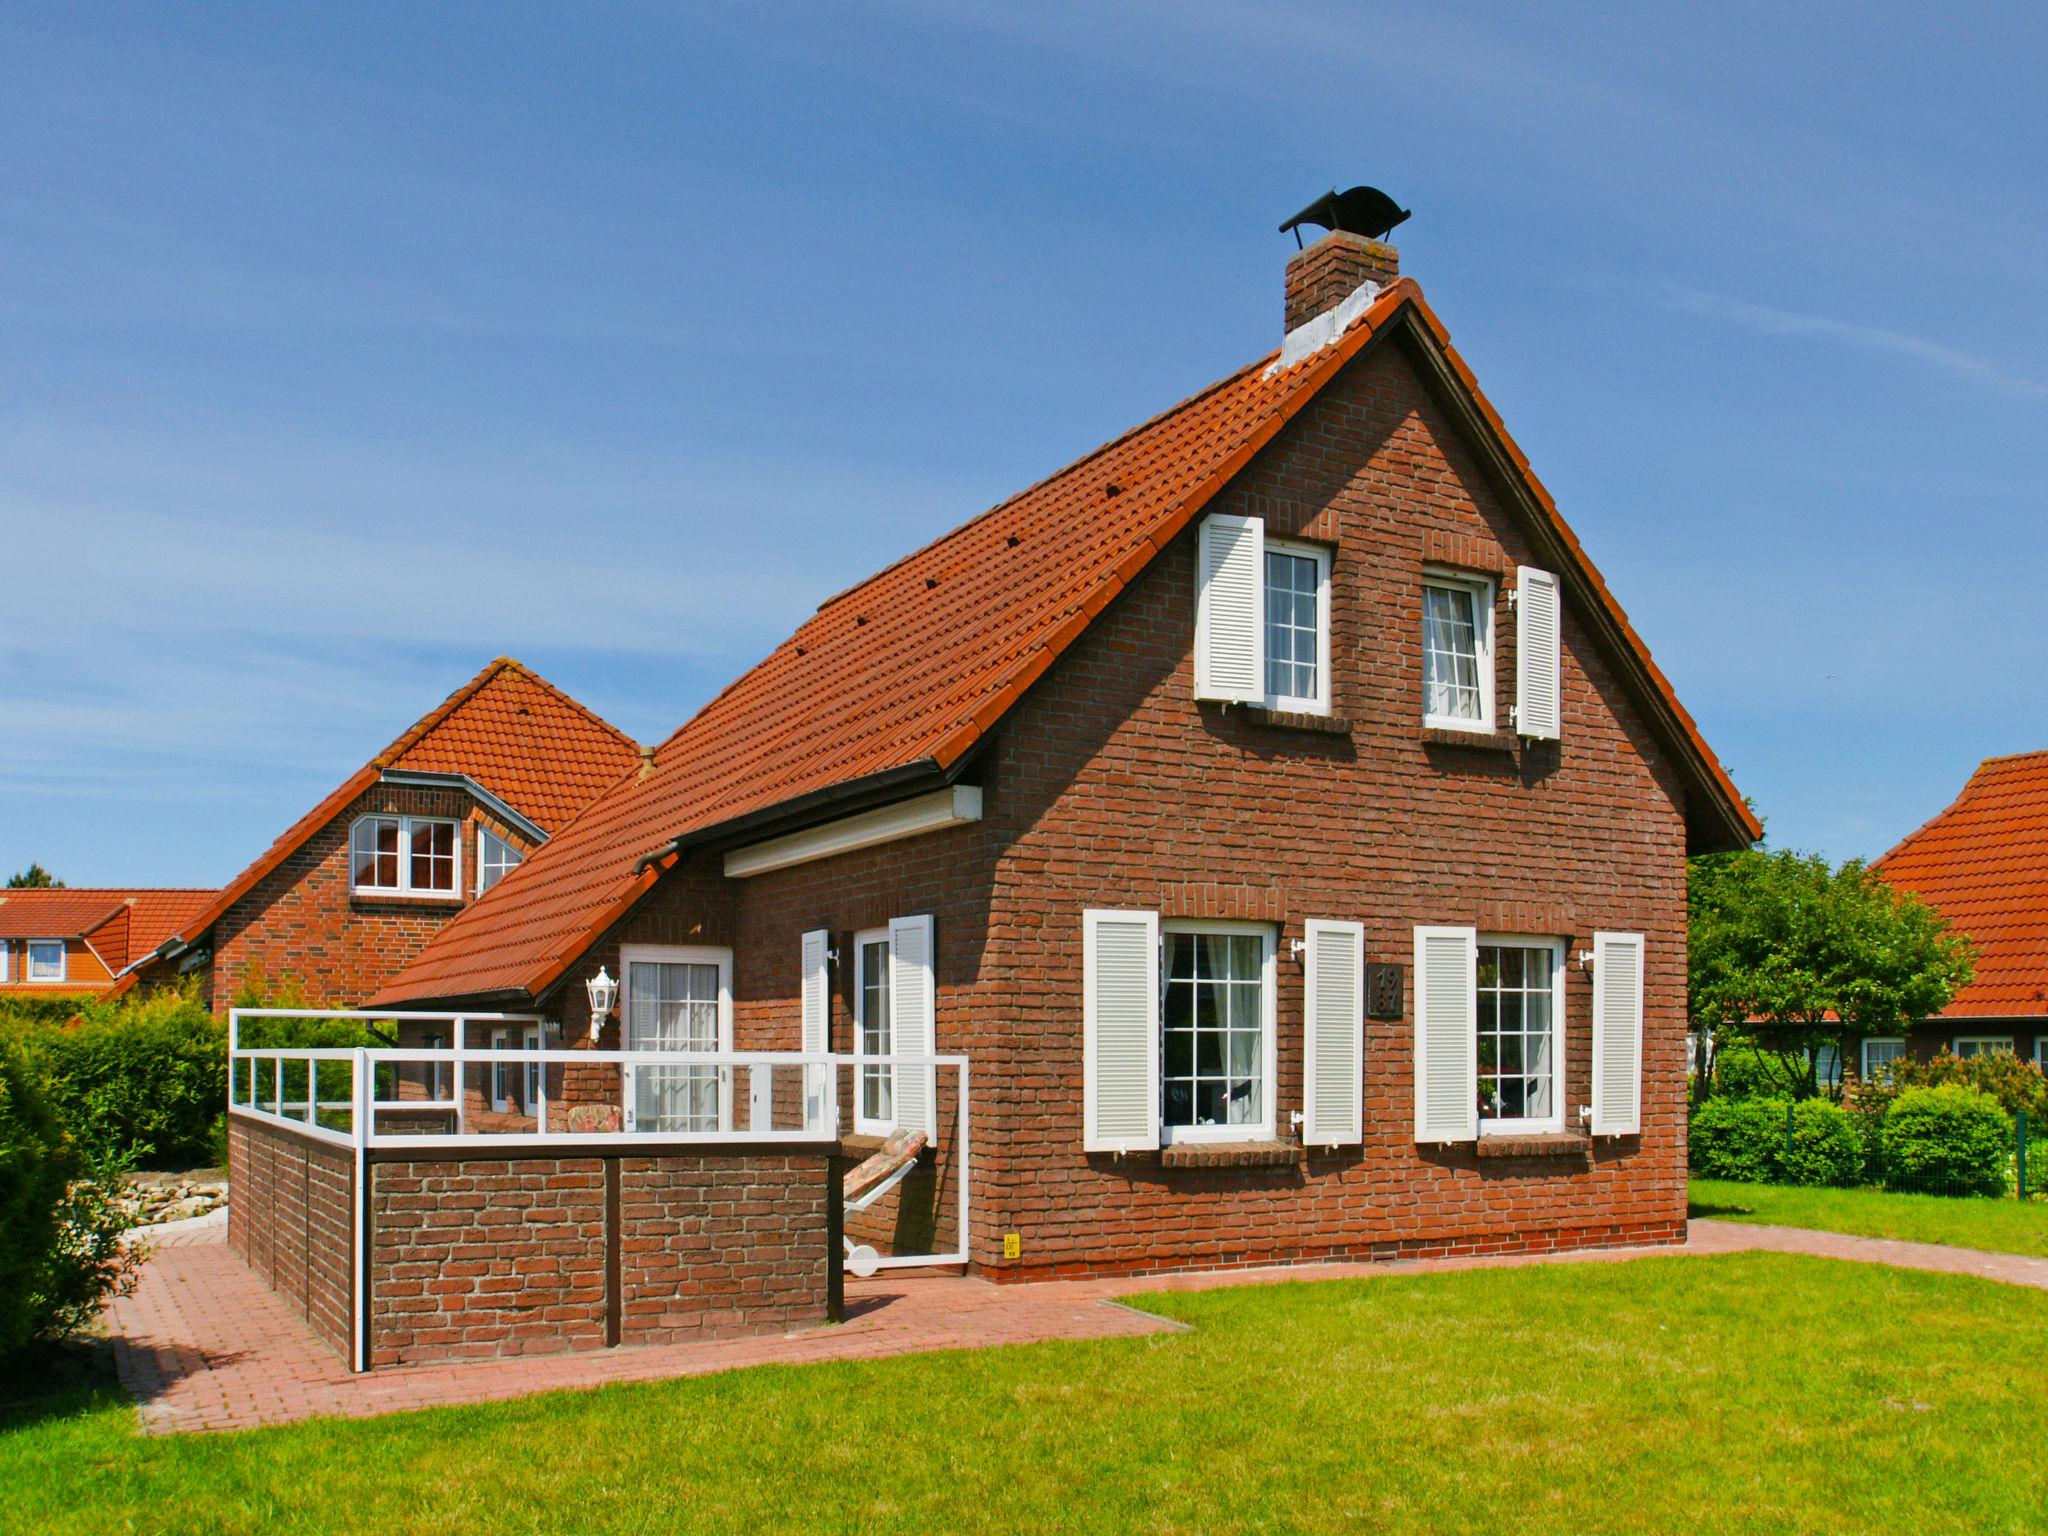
(1983,864)
(120,923)
(508,728)
(917,663)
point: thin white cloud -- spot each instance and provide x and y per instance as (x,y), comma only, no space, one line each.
(1768,321)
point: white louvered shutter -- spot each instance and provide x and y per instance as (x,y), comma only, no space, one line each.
(817,1019)
(913,998)
(1539,615)
(1230,609)
(1120,1030)
(1334,1021)
(1446,1034)
(1617,1034)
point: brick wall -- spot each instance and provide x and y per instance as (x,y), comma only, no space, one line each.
(1111,786)
(477,1257)
(300,931)
(291,1217)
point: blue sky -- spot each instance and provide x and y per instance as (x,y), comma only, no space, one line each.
(344,348)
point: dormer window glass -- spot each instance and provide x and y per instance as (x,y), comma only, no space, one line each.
(404,856)
(495,859)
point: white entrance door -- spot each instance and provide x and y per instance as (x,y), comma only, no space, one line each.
(677,1000)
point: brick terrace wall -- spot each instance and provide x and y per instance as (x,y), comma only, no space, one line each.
(722,1244)
(291,1217)
(301,926)
(479,1258)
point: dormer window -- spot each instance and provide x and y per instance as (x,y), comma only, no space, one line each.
(45,960)
(404,856)
(495,859)
(1457,652)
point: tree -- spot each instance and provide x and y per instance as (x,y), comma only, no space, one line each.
(1790,954)
(34,878)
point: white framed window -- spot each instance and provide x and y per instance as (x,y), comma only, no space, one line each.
(1457,651)
(1827,1066)
(1297,627)
(405,856)
(1982,1045)
(676,998)
(436,1073)
(1216,1031)
(2041,1052)
(1520,1024)
(1262,617)
(1879,1052)
(45,960)
(874,1033)
(6,962)
(495,859)
(501,1073)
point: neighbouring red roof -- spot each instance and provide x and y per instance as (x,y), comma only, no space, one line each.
(120,923)
(508,728)
(918,662)
(1983,864)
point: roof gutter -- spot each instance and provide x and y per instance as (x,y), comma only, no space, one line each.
(416,778)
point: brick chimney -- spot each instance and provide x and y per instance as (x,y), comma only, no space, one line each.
(1328,272)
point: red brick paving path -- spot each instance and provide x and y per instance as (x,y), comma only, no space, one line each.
(203,1344)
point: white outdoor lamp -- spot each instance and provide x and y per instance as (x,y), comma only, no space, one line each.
(603,993)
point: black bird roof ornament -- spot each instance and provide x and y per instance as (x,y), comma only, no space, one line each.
(1363,211)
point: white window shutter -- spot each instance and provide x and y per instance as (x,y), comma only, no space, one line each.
(1539,613)
(1446,1034)
(1617,1034)
(1120,1030)
(1230,609)
(913,997)
(1334,1022)
(817,1019)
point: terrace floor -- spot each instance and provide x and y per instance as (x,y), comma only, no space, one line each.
(203,1344)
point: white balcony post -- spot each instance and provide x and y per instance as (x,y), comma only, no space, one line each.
(461,1075)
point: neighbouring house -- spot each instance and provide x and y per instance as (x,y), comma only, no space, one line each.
(1274,808)
(1983,864)
(355,888)
(77,941)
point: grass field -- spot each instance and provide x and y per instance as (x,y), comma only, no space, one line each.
(1995,1226)
(1753,1392)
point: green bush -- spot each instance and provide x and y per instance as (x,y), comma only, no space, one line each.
(145,1079)
(1744,1072)
(2017,1084)
(1825,1148)
(62,1254)
(1947,1140)
(1740,1139)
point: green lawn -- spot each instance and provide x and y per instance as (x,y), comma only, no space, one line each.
(1996,1226)
(1752,1392)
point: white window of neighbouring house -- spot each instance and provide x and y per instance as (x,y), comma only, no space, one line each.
(676,999)
(1520,1009)
(405,856)
(2041,1052)
(1297,627)
(1457,652)
(6,962)
(1216,1032)
(495,859)
(45,960)
(874,1032)
(1982,1045)
(1878,1055)
(1827,1066)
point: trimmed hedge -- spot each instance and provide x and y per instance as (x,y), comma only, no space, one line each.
(1739,1139)
(1825,1148)
(1947,1140)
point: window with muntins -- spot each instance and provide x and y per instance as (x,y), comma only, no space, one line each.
(874,1031)
(1216,1033)
(1520,1002)
(1297,627)
(495,859)
(680,1005)
(404,856)
(1982,1045)
(1879,1054)
(1457,653)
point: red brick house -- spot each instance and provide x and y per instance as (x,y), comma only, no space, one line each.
(1983,864)
(355,888)
(68,941)
(1274,806)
